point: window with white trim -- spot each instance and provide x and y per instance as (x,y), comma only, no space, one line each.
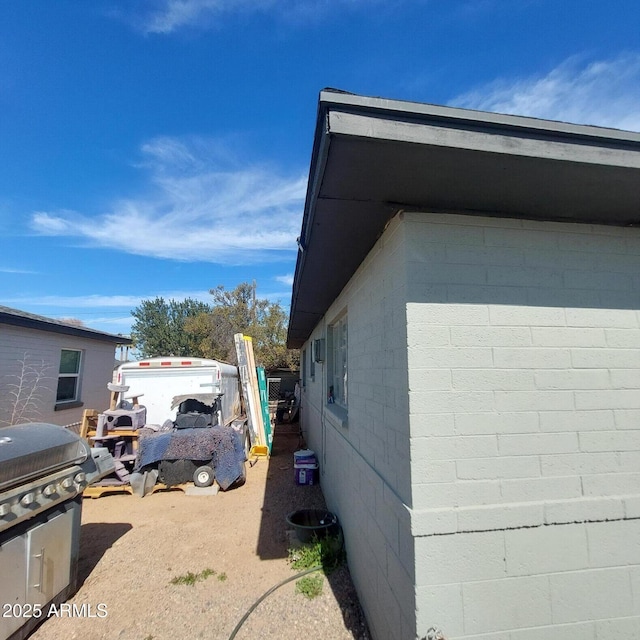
(303,366)
(337,369)
(69,376)
(312,363)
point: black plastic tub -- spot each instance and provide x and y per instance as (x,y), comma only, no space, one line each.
(307,522)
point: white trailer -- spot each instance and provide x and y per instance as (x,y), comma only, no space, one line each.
(163,383)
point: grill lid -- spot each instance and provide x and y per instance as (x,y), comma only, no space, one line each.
(28,451)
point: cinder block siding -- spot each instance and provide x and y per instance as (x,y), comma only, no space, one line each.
(365,469)
(577,580)
(42,350)
(524,370)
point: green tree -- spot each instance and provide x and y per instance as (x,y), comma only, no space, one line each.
(270,339)
(160,327)
(192,328)
(239,311)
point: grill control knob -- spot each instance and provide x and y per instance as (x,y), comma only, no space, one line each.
(80,478)
(67,483)
(5,509)
(27,499)
(50,489)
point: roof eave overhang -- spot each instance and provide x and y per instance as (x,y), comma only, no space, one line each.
(374,157)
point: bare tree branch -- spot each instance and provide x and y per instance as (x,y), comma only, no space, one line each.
(25,395)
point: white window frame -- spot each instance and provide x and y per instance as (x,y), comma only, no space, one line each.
(303,366)
(312,363)
(66,375)
(337,371)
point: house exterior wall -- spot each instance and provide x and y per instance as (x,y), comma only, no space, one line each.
(364,456)
(41,350)
(524,401)
(487,473)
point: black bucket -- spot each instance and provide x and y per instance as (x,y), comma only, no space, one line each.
(308,522)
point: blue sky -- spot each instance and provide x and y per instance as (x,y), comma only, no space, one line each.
(161,147)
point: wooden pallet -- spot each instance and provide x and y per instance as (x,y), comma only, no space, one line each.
(89,423)
(97,491)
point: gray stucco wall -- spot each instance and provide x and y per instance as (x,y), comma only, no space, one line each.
(41,350)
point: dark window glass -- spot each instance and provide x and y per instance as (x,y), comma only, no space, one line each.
(70,361)
(66,389)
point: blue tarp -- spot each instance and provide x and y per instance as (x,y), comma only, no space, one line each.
(221,447)
(151,448)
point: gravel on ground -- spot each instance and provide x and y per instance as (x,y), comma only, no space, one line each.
(135,554)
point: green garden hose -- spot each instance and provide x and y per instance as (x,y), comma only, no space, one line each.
(268,593)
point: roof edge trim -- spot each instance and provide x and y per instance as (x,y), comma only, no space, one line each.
(383,106)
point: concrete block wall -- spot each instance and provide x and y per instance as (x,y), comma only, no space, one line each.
(42,350)
(524,369)
(364,454)
(577,580)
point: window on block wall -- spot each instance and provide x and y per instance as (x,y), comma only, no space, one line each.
(303,368)
(337,365)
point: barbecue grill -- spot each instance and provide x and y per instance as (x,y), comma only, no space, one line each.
(44,469)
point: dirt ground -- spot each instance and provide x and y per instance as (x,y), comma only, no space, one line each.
(132,548)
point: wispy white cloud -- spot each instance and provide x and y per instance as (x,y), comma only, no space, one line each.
(17,271)
(103,301)
(202,208)
(167,16)
(74,302)
(604,93)
(110,321)
(286,279)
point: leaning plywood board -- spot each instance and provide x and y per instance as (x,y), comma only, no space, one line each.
(254,415)
(255,389)
(264,405)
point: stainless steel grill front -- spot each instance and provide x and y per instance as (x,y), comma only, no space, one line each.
(44,469)
(29,451)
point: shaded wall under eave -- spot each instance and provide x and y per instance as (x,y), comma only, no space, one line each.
(364,457)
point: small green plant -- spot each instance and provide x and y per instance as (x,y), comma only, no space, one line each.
(326,552)
(310,586)
(306,556)
(188,579)
(191,578)
(222,577)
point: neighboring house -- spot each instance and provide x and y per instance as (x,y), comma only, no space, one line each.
(51,371)
(467,302)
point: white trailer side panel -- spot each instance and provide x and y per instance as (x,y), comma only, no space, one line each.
(158,384)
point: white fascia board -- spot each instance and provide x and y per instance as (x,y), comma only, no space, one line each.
(511,143)
(405,109)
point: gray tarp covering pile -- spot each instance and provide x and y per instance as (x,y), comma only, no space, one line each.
(220,447)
